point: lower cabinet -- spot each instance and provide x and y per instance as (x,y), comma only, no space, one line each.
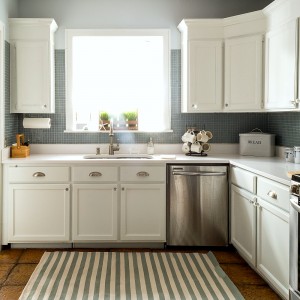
(273,245)
(39,213)
(143,212)
(95,212)
(243,223)
(260,229)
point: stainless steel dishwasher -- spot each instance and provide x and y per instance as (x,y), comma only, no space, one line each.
(197,202)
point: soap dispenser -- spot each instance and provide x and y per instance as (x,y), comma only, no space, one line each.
(150,147)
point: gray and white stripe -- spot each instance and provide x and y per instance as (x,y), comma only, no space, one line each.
(129,275)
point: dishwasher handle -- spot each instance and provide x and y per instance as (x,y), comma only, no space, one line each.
(187,173)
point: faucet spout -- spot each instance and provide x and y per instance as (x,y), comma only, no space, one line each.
(112,148)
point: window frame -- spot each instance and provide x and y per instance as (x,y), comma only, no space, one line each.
(70,33)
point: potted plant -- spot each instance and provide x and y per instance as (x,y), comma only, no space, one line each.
(131,119)
(103,120)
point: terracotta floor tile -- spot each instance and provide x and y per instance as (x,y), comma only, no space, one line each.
(20,274)
(257,292)
(30,256)
(11,292)
(10,256)
(242,274)
(4,271)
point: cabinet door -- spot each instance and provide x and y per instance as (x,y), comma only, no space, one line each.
(243,223)
(273,245)
(202,87)
(143,212)
(95,212)
(243,73)
(281,60)
(30,77)
(39,213)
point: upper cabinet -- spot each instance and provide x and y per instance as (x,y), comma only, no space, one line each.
(202,65)
(32,65)
(243,73)
(282,56)
(203,57)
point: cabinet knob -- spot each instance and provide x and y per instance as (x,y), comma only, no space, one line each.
(142,174)
(272,194)
(115,188)
(39,174)
(95,174)
(67,189)
(45,106)
(123,189)
(194,106)
(226,104)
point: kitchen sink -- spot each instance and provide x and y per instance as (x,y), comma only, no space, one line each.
(118,156)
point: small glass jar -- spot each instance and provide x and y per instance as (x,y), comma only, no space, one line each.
(297,154)
(289,154)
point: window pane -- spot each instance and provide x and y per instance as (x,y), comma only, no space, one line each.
(117,74)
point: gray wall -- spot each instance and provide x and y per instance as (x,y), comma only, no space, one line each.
(8,9)
(74,14)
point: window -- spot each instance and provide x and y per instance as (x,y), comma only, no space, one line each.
(120,76)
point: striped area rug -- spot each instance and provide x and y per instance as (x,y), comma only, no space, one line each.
(129,275)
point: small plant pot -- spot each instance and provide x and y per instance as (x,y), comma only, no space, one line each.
(104,124)
(132,124)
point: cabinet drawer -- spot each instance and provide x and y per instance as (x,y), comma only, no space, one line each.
(39,174)
(143,173)
(243,179)
(94,173)
(273,192)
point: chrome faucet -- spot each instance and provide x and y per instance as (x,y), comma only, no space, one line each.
(112,148)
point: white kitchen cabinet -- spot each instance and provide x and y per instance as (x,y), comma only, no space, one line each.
(32,65)
(281,71)
(243,223)
(243,73)
(273,245)
(260,226)
(39,213)
(143,212)
(202,73)
(95,212)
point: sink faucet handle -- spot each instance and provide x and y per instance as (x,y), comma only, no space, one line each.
(98,151)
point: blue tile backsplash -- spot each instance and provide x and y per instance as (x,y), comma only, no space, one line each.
(224,126)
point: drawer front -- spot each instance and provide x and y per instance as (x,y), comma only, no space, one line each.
(243,179)
(273,192)
(39,174)
(95,173)
(143,173)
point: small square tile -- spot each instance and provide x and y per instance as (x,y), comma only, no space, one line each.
(4,271)
(257,292)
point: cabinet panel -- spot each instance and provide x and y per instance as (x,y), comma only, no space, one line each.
(273,192)
(273,245)
(143,212)
(243,179)
(32,76)
(243,223)
(204,80)
(281,70)
(39,213)
(95,212)
(143,173)
(243,73)
(95,173)
(39,174)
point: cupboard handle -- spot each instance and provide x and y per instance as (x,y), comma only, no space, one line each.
(142,174)
(95,174)
(272,194)
(256,204)
(39,174)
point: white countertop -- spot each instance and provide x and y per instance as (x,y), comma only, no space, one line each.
(274,168)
